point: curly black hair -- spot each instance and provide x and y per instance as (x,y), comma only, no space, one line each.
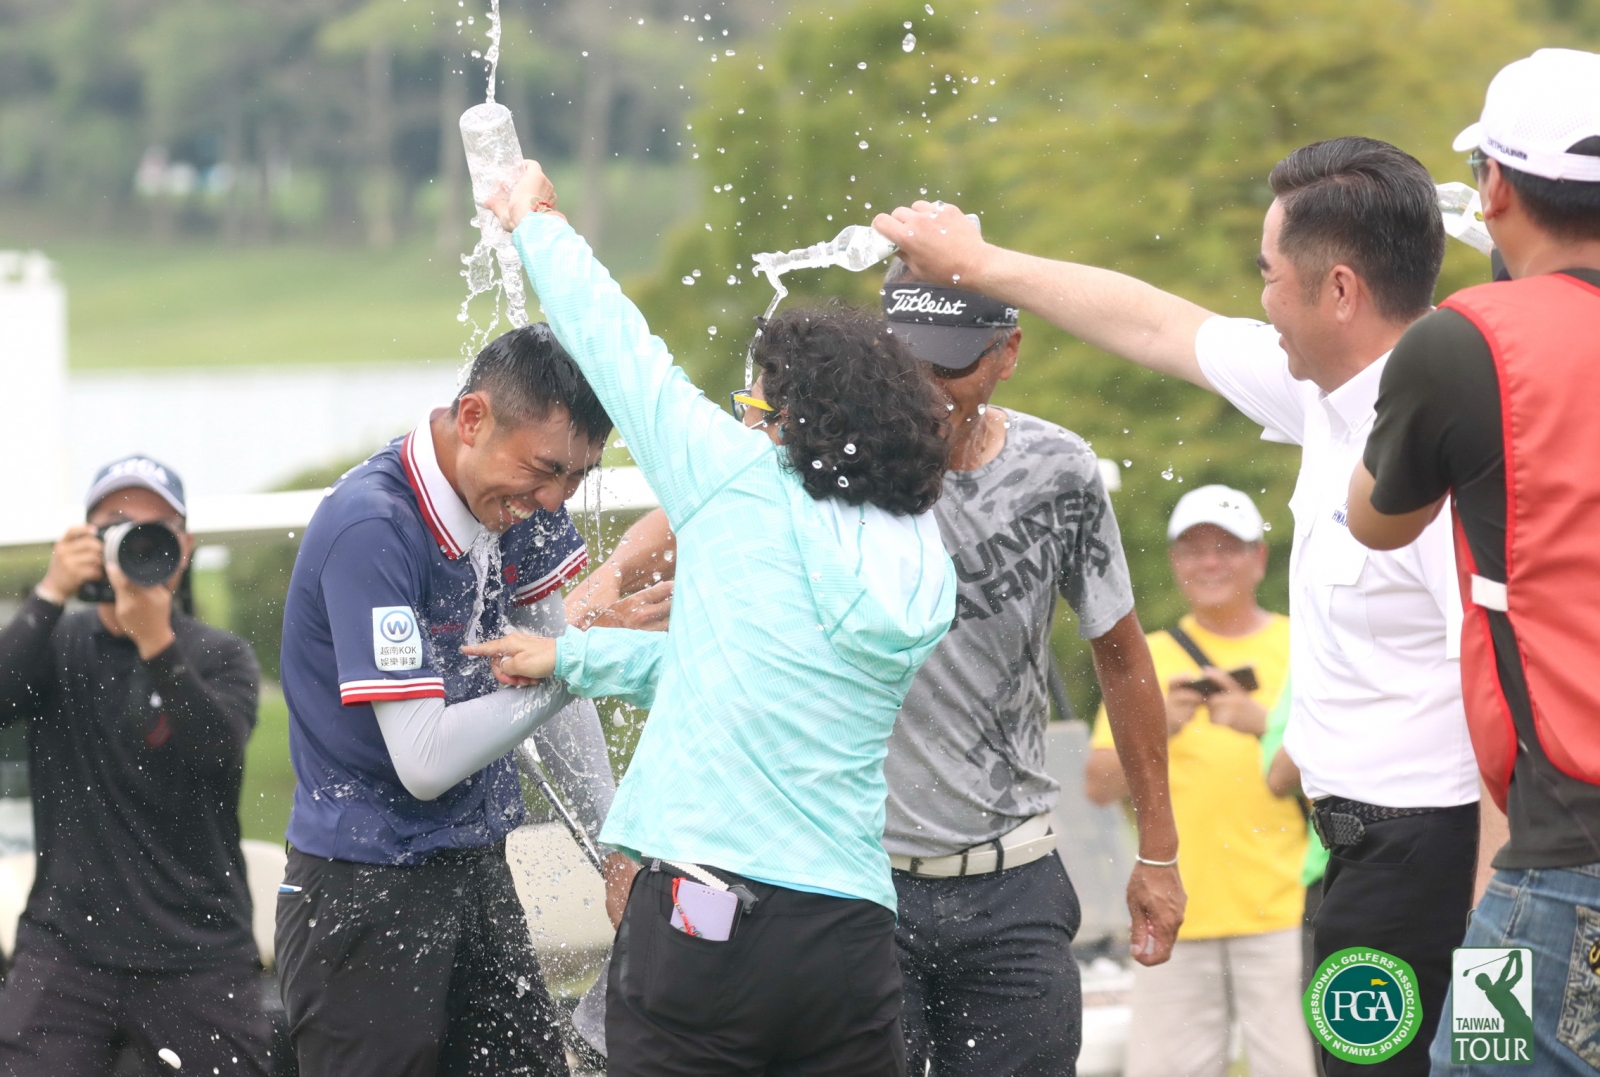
(862,420)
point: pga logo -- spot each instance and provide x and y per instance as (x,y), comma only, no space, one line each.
(396,642)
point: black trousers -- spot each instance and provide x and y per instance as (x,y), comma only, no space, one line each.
(1405,888)
(806,987)
(991,985)
(60,1017)
(413,971)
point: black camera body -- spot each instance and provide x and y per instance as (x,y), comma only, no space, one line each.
(148,554)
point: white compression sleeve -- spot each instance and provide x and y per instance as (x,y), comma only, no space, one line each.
(433,746)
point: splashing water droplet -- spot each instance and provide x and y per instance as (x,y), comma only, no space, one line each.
(688,280)
(1167,474)
(908,42)
(843,482)
(1266,526)
(696,273)
(862,144)
(732,279)
(170,1057)
(850,448)
(928,8)
(907,24)
(711,329)
(817,464)
(983,409)
(862,66)
(1127,463)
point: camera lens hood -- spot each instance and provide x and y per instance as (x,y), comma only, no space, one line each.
(148,554)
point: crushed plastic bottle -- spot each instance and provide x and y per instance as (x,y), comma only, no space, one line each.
(1463,216)
(494,157)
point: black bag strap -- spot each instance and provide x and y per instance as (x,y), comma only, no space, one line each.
(1190,647)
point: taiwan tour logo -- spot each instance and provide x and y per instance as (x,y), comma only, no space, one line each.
(395,641)
(1362,1005)
(1491,1002)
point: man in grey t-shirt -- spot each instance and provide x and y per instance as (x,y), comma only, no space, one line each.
(987,913)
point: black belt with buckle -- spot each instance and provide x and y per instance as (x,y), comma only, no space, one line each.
(1340,822)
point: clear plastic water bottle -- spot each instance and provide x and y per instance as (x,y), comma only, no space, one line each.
(1462,211)
(859,246)
(494,157)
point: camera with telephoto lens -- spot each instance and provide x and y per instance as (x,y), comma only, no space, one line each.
(148,554)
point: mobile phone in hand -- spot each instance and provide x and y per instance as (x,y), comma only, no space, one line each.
(1245,675)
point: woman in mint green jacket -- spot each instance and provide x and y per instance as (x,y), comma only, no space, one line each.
(811,585)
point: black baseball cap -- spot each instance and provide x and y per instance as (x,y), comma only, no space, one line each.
(137,470)
(948,327)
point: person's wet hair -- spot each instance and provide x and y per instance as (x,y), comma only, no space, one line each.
(527,373)
(1567,209)
(1368,205)
(862,420)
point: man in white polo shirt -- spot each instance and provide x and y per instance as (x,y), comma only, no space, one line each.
(1350,252)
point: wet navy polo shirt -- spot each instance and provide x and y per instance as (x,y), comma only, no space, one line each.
(393,576)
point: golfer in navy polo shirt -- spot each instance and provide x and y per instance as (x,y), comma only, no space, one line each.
(401,943)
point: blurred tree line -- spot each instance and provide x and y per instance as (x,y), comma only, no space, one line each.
(257,118)
(1134,134)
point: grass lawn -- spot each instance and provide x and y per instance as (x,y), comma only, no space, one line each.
(133,302)
(268,777)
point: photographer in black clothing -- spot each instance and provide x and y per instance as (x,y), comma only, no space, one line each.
(138,926)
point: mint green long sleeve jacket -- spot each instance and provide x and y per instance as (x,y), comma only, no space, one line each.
(775,689)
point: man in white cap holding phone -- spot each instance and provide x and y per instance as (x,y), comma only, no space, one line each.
(1491,400)
(1238,955)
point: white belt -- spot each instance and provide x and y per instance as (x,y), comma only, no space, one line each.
(1023,845)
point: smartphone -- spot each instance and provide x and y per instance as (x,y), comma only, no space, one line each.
(703,912)
(1246,676)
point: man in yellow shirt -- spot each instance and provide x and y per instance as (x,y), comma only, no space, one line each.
(1238,953)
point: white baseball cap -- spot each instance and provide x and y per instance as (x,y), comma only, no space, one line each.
(1224,506)
(1536,109)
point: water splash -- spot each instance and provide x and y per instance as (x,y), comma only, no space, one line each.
(494,157)
(491,55)
(856,247)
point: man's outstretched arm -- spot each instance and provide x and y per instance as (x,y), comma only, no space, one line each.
(1111,311)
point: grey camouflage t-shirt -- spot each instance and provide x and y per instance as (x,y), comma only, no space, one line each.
(966,760)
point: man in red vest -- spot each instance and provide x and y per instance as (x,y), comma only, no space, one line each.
(1494,399)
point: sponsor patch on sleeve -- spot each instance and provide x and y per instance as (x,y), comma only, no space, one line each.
(396,643)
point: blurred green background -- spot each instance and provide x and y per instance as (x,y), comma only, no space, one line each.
(272,182)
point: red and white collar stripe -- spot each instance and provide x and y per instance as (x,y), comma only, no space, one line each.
(452,524)
(552,581)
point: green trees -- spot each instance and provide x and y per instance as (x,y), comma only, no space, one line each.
(256,117)
(1136,135)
